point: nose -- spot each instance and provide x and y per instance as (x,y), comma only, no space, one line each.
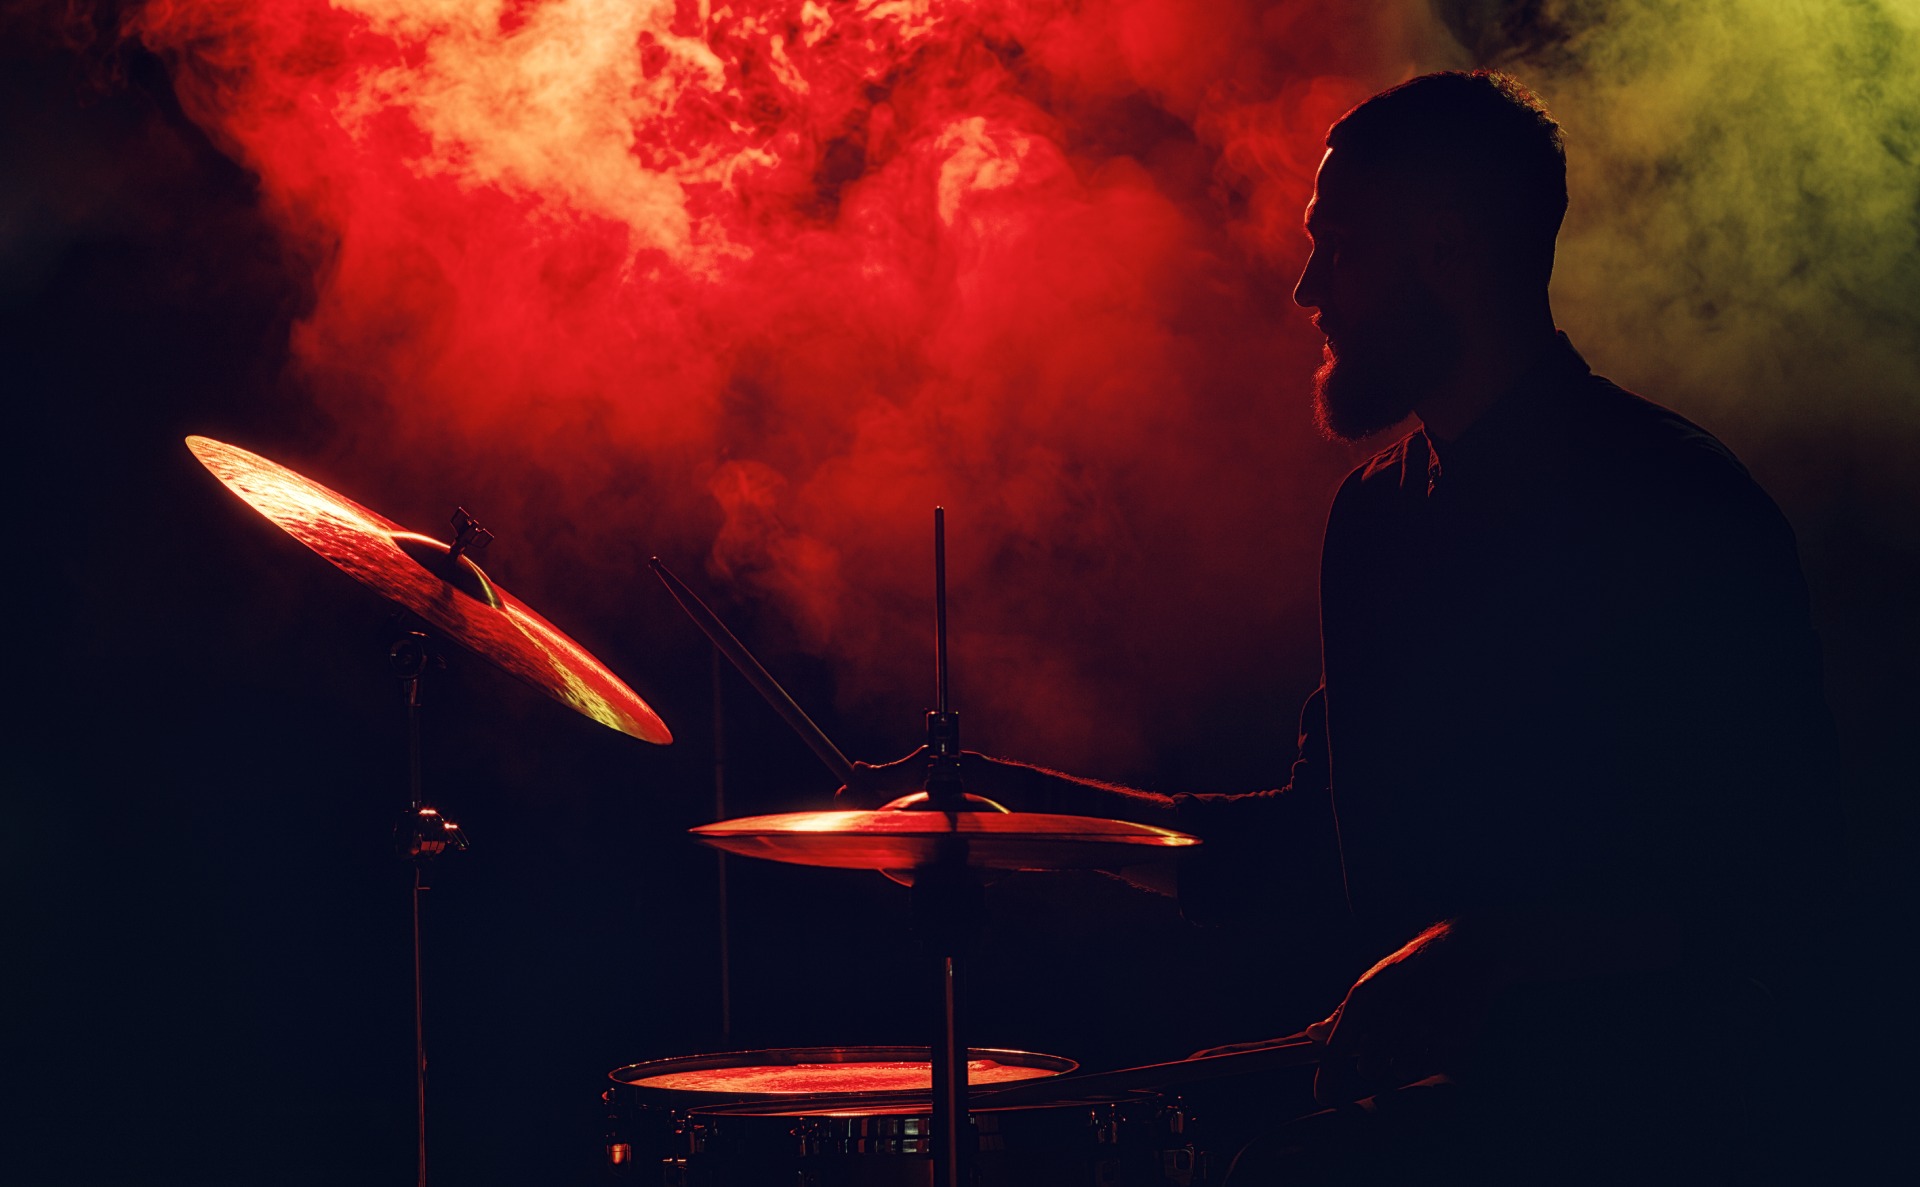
(1306,290)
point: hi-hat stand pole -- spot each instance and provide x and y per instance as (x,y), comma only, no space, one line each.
(947,901)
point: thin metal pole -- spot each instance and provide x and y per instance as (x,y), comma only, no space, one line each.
(949,1081)
(419,1038)
(720,813)
(411,659)
(419,985)
(940,609)
(413,738)
(944,893)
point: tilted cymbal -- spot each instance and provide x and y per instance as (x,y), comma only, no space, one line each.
(895,839)
(454,594)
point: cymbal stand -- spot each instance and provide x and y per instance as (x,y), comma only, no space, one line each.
(947,901)
(720,813)
(421,835)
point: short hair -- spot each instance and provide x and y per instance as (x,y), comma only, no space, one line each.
(1480,141)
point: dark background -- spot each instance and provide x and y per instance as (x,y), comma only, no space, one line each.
(208,967)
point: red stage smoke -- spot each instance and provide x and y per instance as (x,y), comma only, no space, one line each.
(768,280)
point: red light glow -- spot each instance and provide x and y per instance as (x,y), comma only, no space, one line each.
(767,280)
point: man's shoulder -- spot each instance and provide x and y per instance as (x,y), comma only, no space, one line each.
(1629,439)
(1592,429)
(1675,482)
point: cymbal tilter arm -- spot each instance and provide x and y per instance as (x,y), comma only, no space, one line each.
(468,535)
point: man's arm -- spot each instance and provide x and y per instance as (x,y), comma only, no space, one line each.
(1016,786)
(1262,852)
(1020,787)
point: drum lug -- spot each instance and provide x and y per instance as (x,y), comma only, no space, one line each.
(1177,1166)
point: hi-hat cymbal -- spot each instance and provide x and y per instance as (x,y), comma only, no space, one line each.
(894,839)
(469,609)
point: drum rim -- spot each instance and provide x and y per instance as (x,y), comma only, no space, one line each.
(843,1105)
(629,1075)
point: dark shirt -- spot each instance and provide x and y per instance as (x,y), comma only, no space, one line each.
(1568,668)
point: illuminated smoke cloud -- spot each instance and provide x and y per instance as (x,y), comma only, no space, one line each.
(1746,222)
(759,283)
(762,283)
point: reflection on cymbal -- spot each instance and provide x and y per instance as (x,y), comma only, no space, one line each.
(905,839)
(468,608)
(813,1071)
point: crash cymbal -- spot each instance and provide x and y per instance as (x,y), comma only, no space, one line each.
(896,839)
(424,575)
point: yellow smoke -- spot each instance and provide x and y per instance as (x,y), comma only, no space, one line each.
(1745,218)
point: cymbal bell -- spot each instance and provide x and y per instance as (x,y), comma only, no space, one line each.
(423,575)
(897,839)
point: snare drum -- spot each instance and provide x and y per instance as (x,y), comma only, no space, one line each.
(648,1106)
(1129,1140)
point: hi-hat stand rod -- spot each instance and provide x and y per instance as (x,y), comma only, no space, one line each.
(940,609)
(944,792)
(946,909)
(946,900)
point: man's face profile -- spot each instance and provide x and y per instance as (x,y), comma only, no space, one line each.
(1390,339)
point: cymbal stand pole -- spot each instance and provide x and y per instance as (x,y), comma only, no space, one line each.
(720,813)
(419,1043)
(421,835)
(947,900)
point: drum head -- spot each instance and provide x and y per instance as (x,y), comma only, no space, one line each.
(790,1072)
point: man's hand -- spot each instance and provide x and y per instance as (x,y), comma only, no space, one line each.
(1416,1013)
(874,785)
(1011,785)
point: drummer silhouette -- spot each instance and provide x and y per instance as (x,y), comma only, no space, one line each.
(1569,759)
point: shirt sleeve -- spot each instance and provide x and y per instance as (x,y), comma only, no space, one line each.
(1738,787)
(1269,857)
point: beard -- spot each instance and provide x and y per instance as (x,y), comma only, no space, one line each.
(1380,370)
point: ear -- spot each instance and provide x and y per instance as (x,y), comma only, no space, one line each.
(1450,241)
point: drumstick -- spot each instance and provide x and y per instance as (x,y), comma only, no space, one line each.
(762,681)
(1293,1051)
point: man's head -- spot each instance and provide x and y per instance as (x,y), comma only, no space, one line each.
(1433,220)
